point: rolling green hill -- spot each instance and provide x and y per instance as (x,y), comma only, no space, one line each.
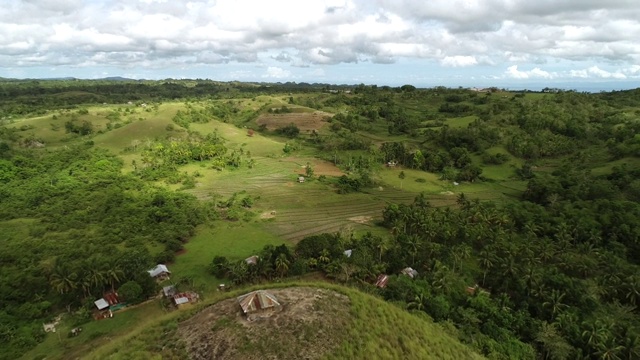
(319,321)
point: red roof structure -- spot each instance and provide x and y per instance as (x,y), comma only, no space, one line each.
(111,297)
(382,281)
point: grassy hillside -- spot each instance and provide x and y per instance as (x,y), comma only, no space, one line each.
(358,327)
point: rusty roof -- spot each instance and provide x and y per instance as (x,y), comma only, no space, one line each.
(257,300)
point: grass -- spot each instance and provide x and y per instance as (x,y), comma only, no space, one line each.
(431,185)
(232,240)
(375,330)
(154,126)
(94,333)
(460,122)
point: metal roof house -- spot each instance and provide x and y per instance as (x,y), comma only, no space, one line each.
(252,260)
(160,272)
(101,304)
(169,291)
(258,304)
(410,272)
(382,281)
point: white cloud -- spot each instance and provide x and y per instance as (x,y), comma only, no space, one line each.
(459,61)
(275,72)
(162,34)
(596,72)
(513,72)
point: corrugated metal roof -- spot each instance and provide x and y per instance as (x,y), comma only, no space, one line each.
(410,272)
(101,304)
(159,269)
(181,300)
(382,280)
(257,300)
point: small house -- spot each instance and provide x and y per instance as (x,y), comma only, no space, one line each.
(252,260)
(112,298)
(102,309)
(348,253)
(101,304)
(160,272)
(382,280)
(300,179)
(476,289)
(182,298)
(169,291)
(410,272)
(258,304)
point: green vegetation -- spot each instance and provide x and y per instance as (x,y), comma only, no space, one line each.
(518,210)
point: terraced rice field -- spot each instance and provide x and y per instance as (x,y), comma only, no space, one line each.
(293,210)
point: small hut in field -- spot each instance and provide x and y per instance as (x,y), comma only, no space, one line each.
(259,304)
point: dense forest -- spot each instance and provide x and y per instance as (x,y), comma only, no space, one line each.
(549,272)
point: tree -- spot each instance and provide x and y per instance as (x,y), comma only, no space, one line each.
(554,346)
(63,279)
(401,176)
(282,265)
(555,304)
(113,275)
(290,130)
(131,292)
(308,170)
(219,267)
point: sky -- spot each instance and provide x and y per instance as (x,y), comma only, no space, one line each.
(588,45)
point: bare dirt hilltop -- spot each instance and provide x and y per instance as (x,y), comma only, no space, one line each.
(308,327)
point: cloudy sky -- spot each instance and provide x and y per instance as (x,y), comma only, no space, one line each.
(578,44)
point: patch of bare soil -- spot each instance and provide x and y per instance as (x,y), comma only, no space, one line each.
(304,121)
(448,193)
(311,324)
(361,219)
(268,214)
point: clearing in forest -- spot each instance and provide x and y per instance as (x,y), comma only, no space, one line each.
(304,121)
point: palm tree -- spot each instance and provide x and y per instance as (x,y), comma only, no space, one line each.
(324,257)
(594,333)
(63,279)
(282,264)
(113,275)
(609,349)
(418,302)
(633,289)
(96,277)
(382,245)
(630,346)
(554,303)
(486,260)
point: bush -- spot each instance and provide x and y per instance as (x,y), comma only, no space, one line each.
(131,292)
(219,266)
(290,130)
